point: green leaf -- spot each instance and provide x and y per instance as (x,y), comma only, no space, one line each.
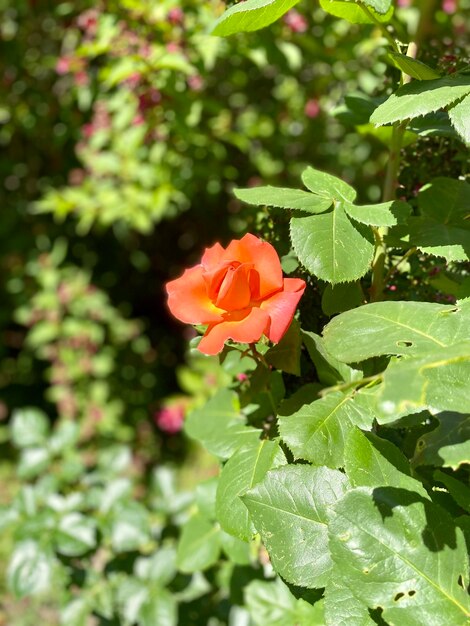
(438,380)
(383,214)
(401,553)
(412,67)
(353,12)
(75,534)
(457,489)
(33,461)
(459,115)
(29,427)
(342,608)
(237,550)
(370,461)
(251,15)
(271,603)
(159,568)
(331,247)
(199,545)
(205,497)
(327,186)
(219,425)
(381,6)
(76,613)
(317,432)
(402,328)
(330,371)
(30,569)
(130,526)
(243,470)
(421,97)
(448,445)
(284,198)
(443,228)
(342,297)
(290,511)
(159,608)
(285,356)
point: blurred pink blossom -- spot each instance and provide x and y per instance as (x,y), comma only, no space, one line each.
(170,419)
(449,6)
(312,108)
(176,15)
(295,21)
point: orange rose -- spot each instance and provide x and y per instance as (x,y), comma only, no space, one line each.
(239,292)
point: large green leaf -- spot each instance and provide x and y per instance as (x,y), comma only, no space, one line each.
(244,470)
(353,12)
(402,328)
(219,425)
(251,15)
(75,534)
(438,380)
(331,247)
(370,461)
(400,552)
(199,545)
(330,371)
(289,508)
(448,444)
(284,198)
(317,432)
(159,608)
(421,97)
(285,355)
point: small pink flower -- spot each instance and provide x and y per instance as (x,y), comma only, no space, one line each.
(175,15)
(449,6)
(170,419)
(295,21)
(81,79)
(403,3)
(195,82)
(88,21)
(63,65)
(312,108)
(242,377)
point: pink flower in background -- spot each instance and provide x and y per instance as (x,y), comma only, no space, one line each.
(312,108)
(195,82)
(403,3)
(170,419)
(176,15)
(449,6)
(63,65)
(295,21)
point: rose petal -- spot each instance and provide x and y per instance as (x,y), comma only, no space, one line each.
(188,300)
(235,293)
(242,326)
(212,256)
(250,249)
(281,307)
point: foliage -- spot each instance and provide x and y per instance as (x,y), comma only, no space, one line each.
(324,479)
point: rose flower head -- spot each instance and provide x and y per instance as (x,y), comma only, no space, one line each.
(239,292)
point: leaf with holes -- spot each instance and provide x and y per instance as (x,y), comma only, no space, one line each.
(244,470)
(398,551)
(401,328)
(331,247)
(448,445)
(289,508)
(354,13)
(284,198)
(317,431)
(437,380)
(251,15)
(420,98)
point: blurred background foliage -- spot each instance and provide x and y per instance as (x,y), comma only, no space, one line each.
(124,128)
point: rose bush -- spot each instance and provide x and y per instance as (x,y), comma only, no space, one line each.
(239,292)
